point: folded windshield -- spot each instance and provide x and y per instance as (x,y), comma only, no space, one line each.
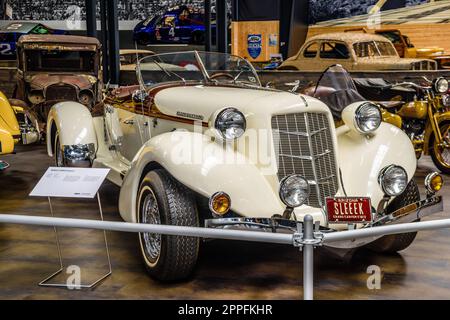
(337,90)
(196,66)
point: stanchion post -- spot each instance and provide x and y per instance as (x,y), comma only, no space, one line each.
(308,258)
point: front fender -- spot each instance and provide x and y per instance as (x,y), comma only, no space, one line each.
(252,193)
(362,157)
(6,142)
(74,124)
(8,120)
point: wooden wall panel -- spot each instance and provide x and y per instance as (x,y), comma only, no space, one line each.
(240,31)
(421,35)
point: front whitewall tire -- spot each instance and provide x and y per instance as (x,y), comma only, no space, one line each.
(175,205)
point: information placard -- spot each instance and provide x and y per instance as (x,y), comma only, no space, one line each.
(67,182)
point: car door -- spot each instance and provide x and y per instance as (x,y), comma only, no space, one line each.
(307,58)
(335,52)
(133,133)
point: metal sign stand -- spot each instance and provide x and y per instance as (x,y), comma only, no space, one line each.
(45,283)
(307,240)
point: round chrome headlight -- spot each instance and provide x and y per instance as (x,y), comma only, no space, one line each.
(85,97)
(231,123)
(446,100)
(440,85)
(393,180)
(36,97)
(367,117)
(294,190)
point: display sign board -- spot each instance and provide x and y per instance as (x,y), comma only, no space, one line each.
(70,182)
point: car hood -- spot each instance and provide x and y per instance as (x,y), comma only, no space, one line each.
(202,102)
(42,81)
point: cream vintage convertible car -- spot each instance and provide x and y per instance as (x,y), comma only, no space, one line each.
(200,142)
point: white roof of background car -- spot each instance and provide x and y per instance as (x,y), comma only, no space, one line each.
(349,37)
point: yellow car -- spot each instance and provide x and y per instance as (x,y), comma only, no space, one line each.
(18,124)
(9,129)
(6,146)
(6,142)
(9,126)
(19,120)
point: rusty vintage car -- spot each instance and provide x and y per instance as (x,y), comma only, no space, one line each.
(359,52)
(53,68)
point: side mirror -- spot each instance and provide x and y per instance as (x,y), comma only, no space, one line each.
(139,96)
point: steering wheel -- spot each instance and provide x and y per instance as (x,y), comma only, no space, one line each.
(222,75)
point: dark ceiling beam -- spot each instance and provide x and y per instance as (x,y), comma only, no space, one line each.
(113,41)
(104,39)
(221,26)
(208,33)
(91,18)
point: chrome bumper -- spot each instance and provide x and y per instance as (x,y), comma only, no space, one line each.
(415,211)
(409,213)
(80,155)
(29,136)
(278,225)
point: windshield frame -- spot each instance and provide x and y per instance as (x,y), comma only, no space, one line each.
(206,76)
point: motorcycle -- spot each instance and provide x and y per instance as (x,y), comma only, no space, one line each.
(424,110)
(421,111)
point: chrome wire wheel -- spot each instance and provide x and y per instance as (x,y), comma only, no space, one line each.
(150,242)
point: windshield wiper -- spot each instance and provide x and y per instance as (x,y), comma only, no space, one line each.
(169,72)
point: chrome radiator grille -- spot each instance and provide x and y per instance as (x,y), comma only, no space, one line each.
(304,145)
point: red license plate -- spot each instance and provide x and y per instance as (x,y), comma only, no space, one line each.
(349,210)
